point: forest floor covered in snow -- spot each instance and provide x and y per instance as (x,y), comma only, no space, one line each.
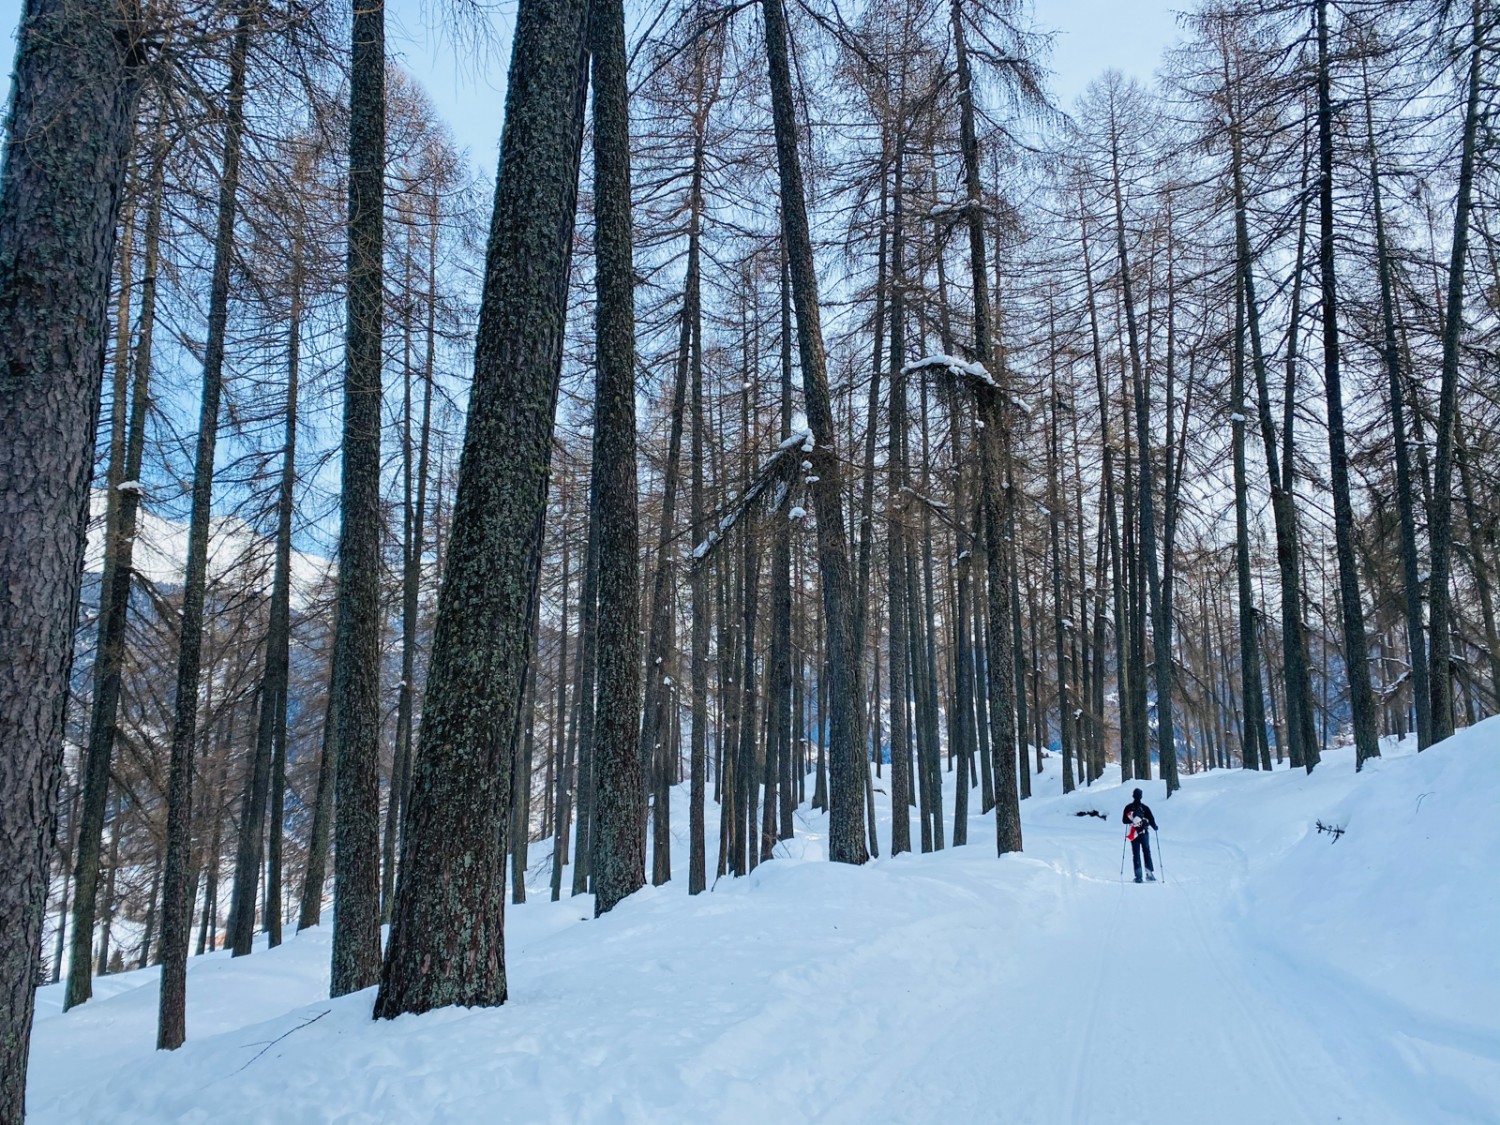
(1276,974)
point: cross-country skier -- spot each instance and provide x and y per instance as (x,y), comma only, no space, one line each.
(1138,816)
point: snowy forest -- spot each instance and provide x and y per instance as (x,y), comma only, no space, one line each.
(821,443)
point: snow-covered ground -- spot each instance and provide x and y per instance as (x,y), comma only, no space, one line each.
(1276,975)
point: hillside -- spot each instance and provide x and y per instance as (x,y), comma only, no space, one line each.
(1276,974)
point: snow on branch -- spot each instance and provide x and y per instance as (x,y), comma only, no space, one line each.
(965,370)
(953,364)
(771,489)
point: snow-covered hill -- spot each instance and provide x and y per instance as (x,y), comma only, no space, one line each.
(161,550)
(1276,975)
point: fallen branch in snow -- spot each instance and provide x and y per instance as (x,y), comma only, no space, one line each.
(283,1035)
(1091,812)
(1332,829)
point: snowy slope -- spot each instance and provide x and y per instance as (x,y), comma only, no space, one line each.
(161,550)
(1275,976)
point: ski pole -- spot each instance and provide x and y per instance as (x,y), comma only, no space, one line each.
(1160,861)
(1124,846)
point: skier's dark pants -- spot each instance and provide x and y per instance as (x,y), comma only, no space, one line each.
(1142,843)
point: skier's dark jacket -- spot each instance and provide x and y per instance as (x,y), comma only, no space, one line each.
(1140,809)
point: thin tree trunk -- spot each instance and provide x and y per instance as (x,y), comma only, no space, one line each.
(656,714)
(176,894)
(1255,717)
(1161,625)
(1440,513)
(115,593)
(698,582)
(1054,538)
(108,903)
(1301,743)
(1356,657)
(310,910)
(267,781)
(781,593)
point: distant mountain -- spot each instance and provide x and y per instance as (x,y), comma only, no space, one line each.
(161,548)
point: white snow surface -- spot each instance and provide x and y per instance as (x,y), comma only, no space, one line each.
(1274,975)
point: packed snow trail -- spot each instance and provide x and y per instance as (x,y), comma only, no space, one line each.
(1274,976)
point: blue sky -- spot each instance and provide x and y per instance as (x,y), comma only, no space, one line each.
(468,86)
(1092,35)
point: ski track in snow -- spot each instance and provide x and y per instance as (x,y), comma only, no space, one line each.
(1272,976)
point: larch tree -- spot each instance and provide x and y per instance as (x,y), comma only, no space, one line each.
(72,107)
(618,855)
(447,928)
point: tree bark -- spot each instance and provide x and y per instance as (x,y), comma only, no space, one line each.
(618,854)
(71,107)
(846,737)
(356,683)
(1440,515)
(447,938)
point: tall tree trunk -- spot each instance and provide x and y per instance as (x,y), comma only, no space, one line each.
(1054,539)
(698,584)
(410,581)
(1301,744)
(115,604)
(177,890)
(1254,704)
(281,611)
(780,721)
(565,739)
(67,135)
(356,682)
(1440,515)
(1411,579)
(580,744)
(896,540)
(447,937)
(846,842)
(618,854)
(995,452)
(656,714)
(1161,624)
(962,706)
(1356,657)
(1111,515)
